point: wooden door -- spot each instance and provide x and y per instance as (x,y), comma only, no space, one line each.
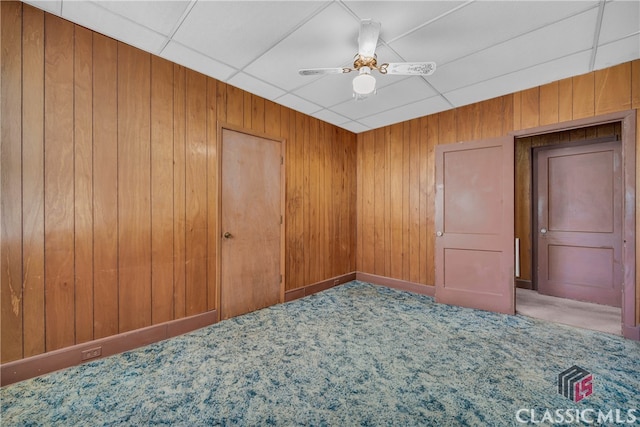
(251,223)
(474,221)
(579,222)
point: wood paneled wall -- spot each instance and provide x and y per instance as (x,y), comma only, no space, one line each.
(109,178)
(395,175)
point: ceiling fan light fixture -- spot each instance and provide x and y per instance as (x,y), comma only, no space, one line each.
(364,83)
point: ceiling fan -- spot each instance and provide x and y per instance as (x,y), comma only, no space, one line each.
(365,61)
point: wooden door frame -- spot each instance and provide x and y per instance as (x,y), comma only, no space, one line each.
(218,200)
(628,123)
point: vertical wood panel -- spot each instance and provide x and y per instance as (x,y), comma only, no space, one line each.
(234,106)
(432,141)
(11,171)
(257,113)
(306,198)
(313,191)
(378,202)
(396,158)
(272,124)
(83,181)
(635,86)
(59,185)
(368,200)
(549,103)
(134,188)
(212,193)
(406,194)
(387,201)
(583,96)
(565,100)
(517,111)
(246,113)
(196,193)
(302,207)
(424,193)
(105,186)
(492,118)
(414,201)
(162,304)
(359,199)
(33,180)
(179,191)
(613,89)
(447,127)
(530,109)
(468,122)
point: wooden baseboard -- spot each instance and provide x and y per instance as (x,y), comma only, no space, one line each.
(318,286)
(524,284)
(45,363)
(401,285)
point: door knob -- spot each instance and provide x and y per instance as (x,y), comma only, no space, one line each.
(439,233)
(543,231)
(226,235)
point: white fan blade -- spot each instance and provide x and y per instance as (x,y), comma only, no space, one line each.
(410,68)
(316,71)
(368,38)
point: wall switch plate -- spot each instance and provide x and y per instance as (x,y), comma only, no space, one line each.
(91,353)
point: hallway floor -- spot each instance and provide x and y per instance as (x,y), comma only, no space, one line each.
(569,312)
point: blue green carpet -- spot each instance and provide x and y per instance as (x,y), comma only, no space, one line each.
(357,354)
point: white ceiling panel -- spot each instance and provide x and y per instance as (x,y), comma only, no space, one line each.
(330,117)
(255,86)
(404,92)
(399,17)
(196,61)
(236,32)
(97,18)
(161,17)
(617,52)
(620,19)
(538,46)
(407,112)
(298,104)
(51,6)
(355,127)
(327,40)
(483,49)
(481,25)
(508,83)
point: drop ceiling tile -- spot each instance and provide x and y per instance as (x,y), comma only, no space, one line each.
(623,50)
(236,32)
(536,47)
(330,117)
(51,6)
(329,90)
(160,16)
(620,19)
(108,23)
(327,40)
(298,104)
(537,75)
(196,61)
(406,112)
(404,92)
(480,25)
(255,86)
(355,127)
(398,17)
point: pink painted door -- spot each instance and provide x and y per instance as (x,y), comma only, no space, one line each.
(474,225)
(579,222)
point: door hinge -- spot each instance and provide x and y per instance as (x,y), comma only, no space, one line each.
(280,219)
(281,160)
(281,278)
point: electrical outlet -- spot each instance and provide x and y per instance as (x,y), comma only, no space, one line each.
(91,353)
(336,281)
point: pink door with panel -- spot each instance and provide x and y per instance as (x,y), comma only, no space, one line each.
(579,222)
(474,225)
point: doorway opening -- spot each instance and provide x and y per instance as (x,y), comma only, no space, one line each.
(567,307)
